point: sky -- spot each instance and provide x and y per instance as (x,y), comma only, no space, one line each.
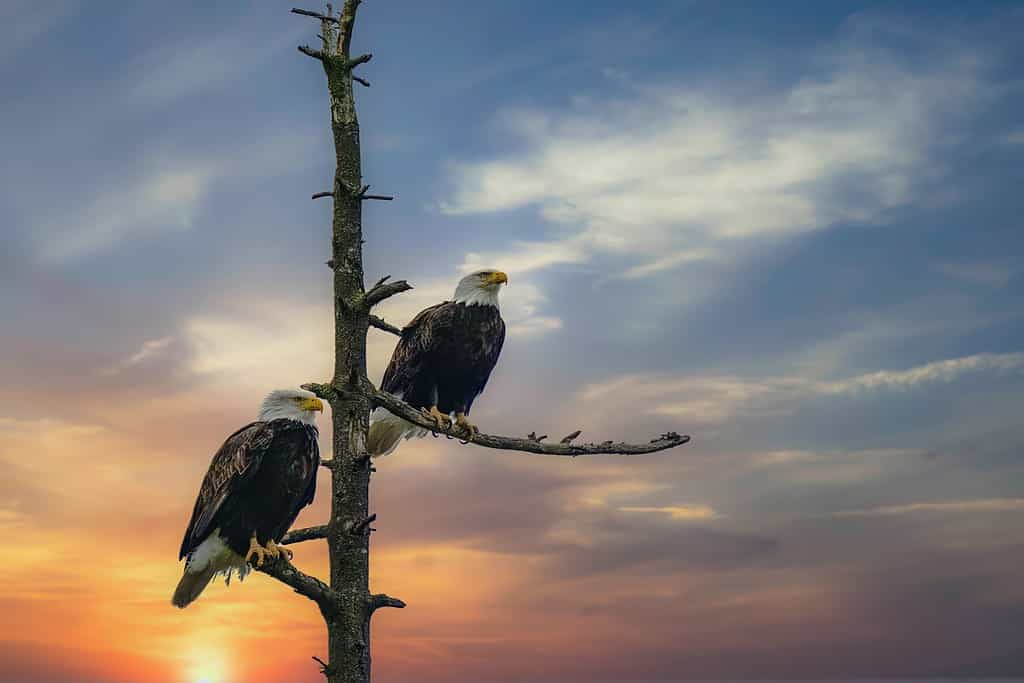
(791,230)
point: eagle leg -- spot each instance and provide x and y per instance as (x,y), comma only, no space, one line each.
(259,551)
(465,425)
(276,550)
(444,423)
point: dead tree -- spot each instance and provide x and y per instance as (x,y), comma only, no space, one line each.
(346,602)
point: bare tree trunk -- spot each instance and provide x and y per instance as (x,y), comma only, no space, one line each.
(347,617)
(347,604)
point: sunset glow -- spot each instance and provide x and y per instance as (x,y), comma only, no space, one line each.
(791,230)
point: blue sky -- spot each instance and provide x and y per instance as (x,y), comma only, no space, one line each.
(792,230)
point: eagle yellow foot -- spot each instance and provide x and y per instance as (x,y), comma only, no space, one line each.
(465,425)
(259,551)
(444,423)
(276,551)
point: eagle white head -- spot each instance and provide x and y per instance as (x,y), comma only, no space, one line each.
(480,288)
(290,404)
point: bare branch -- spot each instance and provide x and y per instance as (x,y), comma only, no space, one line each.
(379,197)
(361,59)
(361,81)
(315,15)
(310,533)
(319,195)
(302,583)
(315,54)
(532,436)
(569,437)
(326,669)
(382,290)
(360,528)
(325,391)
(378,600)
(387,327)
(528,445)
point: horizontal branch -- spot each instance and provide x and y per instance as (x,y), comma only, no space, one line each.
(320,195)
(378,600)
(387,327)
(383,289)
(361,81)
(308,534)
(361,193)
(528,445)
(315,15)
(302,583)
(315,54)
(361,527)
(356,61)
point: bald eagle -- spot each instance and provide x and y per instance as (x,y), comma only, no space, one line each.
(252,492)
(443,360)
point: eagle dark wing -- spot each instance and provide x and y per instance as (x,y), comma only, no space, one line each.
(232,466)
(415,349)
(492,339)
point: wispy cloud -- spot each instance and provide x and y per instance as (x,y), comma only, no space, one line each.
(187,67)
(953,506)
(168,195)
(150,349)
(993,275)
(24,21)
(943,371)
(657,176)
(715,399)
(677,512)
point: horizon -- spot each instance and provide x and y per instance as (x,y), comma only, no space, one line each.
(791,232)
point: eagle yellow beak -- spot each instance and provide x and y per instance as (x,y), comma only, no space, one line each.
(498,278)
(311,404)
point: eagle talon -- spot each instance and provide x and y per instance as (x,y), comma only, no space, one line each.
(443,422)
(259,551)
(277,551)
(468,428)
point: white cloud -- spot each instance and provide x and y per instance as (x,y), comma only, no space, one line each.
(943,371)
(263,342)
(673,173)
(271,342)
(716,399)
(977,505)
(167,200)
(167,195)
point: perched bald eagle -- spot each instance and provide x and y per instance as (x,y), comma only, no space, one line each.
(252,492)
(443,360)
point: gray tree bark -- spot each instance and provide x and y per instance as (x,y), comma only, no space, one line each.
(347,604)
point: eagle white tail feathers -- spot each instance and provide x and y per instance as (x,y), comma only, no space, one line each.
(387,430)
(212,557)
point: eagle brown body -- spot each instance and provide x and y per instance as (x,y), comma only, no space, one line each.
(257,483)
(443,360)
(445,356)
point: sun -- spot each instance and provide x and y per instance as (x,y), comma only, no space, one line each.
(206,666)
